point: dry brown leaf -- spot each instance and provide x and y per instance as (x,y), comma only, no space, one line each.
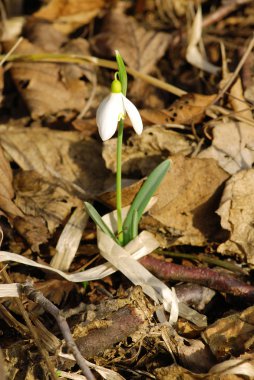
(175,372)
(37,197)
(63,157)
(238,102)
(128,194)
(187,200)
(189,109)
(236,211)
(6,188)
(232,145)
(142,153)
(140,48)
(33,229)
(69,15)
(47,88)
(231,335)
(43,35)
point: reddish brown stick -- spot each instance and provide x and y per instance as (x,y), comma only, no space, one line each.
(202,276)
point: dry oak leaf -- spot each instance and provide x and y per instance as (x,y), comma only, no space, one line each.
(38,197)
(187,110)
(231,335)
(6,188)
(237,214)
(62,157)
(143,153)
(187,200)
(69,15)
(45,87)
(140,48)
(232,145)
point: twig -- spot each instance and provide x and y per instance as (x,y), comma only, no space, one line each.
(223,11)
(36,296)
(236,72)
(203,276)
(32,329)
(7,56)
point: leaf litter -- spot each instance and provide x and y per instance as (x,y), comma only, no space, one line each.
(51,160)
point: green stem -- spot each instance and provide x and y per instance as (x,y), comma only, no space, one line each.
(119,181)
(205,258)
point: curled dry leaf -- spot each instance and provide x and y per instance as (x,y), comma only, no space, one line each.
(187,200)
(35,82)
(140,48)
(6,189)
(189,109)
(232,145)
(238,102)
(63,157)
(70,14)
(143,153)
(236,211)
(193,53)
(231,335)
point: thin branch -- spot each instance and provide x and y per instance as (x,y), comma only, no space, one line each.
(203,276)
(31,329)
(36,296)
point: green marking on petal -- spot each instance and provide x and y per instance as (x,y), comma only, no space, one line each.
(121,116)
(116,86)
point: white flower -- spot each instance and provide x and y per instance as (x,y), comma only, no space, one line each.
(112,109)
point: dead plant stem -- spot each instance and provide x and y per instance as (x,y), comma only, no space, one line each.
(32,330)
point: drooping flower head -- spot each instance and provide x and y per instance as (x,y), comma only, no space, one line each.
(114,108)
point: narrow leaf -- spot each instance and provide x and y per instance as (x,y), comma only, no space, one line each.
(134,225)
(99,221)
(122,72)
(142,198)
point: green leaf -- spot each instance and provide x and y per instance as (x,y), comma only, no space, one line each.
(93,213)
(134,224)
(122,72)
(142,198)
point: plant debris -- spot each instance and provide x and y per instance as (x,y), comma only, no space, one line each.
(175,302)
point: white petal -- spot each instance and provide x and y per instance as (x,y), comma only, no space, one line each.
(107,115)
(134,115)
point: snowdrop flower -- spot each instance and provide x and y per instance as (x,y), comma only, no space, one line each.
(112,109)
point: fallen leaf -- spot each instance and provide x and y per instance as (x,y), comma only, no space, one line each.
(231,335)
(61,156)
(35,82)
(238,102)
(143,153)
(33,229)
(69,15)
(140,48)
(187,200)
(189,109)
(45,201)
(6,188)
(232,145)
(176,372)
(42,34)
(236,211)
